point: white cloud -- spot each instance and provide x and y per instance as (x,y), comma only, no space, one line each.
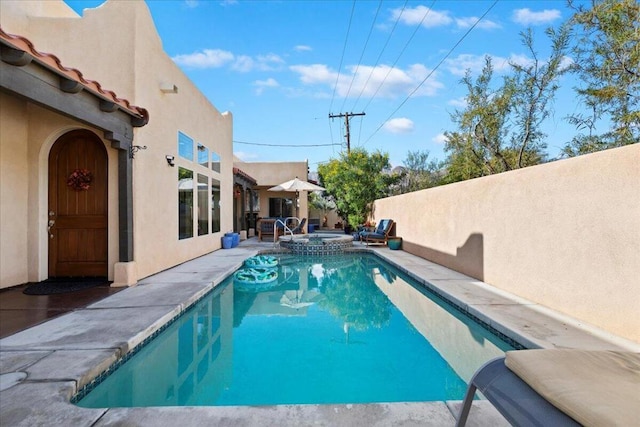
(245,63)
(459,65)
(439,138)
(208,58)
(262,84)
(485,24)
(458,102)
(191,3)
(266,83)
(566,62)
(528,17)
(520,59)
(270,60)
(399,125)
(314,73)
(430,18)
(302,48)
(244,156)
(381,81)
(216,58)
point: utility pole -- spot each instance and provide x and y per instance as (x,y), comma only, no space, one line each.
(346,121)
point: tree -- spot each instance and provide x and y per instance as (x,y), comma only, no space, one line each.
(321,202)
(359,303)
(418,173)
(500,129)
(607,59)
(355,180)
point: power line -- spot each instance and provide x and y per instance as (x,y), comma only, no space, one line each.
(401,52)
(360,131)
(285,145)
(395,24)
(355,73)
(434,70)
(344,48)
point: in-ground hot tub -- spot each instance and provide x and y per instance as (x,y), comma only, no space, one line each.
(316,244)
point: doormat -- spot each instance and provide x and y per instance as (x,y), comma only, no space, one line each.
(61,285)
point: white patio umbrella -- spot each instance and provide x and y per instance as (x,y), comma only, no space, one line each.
(299,299)
(187,184)
(296,185)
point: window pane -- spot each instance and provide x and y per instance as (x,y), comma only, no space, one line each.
(279,207)
(215,161)
(203,155)
(185,146)
(215,205)
(185,203)
(203,205)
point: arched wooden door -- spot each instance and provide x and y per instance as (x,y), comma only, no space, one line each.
(77,215)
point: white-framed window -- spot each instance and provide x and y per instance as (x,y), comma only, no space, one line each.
(215,162)
(198,189)
(203,156)
(185,203)
(185,146)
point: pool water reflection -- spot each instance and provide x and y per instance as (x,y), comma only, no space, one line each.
(339,329)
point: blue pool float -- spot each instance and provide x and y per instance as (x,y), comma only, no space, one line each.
(255,279)
(261,261)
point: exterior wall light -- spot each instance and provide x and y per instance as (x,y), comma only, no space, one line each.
(135,148)
(168,88)
(170,160)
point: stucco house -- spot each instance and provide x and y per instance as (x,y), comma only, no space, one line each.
(112,162)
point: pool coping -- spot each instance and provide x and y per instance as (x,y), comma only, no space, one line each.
(62,355)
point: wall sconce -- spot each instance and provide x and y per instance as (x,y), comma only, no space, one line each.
(168,88)
(134,149)
(170,160)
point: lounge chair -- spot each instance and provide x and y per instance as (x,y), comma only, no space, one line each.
(380,234)
(560,388)
(299,229)
(267,227)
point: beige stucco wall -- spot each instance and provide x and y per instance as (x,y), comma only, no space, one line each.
(564,234)
(27,133)
(15,14)
(13,191)
(270,174)
(117,44)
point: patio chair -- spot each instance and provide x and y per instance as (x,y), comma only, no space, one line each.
(267,227)
(381,233)
(299,229)
(560,387)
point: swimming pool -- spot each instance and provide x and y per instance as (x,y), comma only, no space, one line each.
(340,329)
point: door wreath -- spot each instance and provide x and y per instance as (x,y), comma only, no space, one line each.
(80,180)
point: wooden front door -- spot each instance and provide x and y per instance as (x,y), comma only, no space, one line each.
(77,215)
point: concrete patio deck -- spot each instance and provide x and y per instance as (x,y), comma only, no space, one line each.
(60,356)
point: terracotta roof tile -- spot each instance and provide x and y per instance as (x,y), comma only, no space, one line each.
(53,63)
(239,172)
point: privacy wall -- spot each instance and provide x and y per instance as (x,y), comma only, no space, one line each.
(565,234)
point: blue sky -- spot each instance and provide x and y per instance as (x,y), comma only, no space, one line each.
(281,67)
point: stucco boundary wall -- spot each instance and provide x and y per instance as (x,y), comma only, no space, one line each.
(565,234)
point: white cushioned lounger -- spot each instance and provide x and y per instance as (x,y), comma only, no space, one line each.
(560,387)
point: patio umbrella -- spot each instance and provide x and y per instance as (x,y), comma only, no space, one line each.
(296,185)
(299,299)
(187,184)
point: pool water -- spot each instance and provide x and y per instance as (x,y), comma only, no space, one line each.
(339,329)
